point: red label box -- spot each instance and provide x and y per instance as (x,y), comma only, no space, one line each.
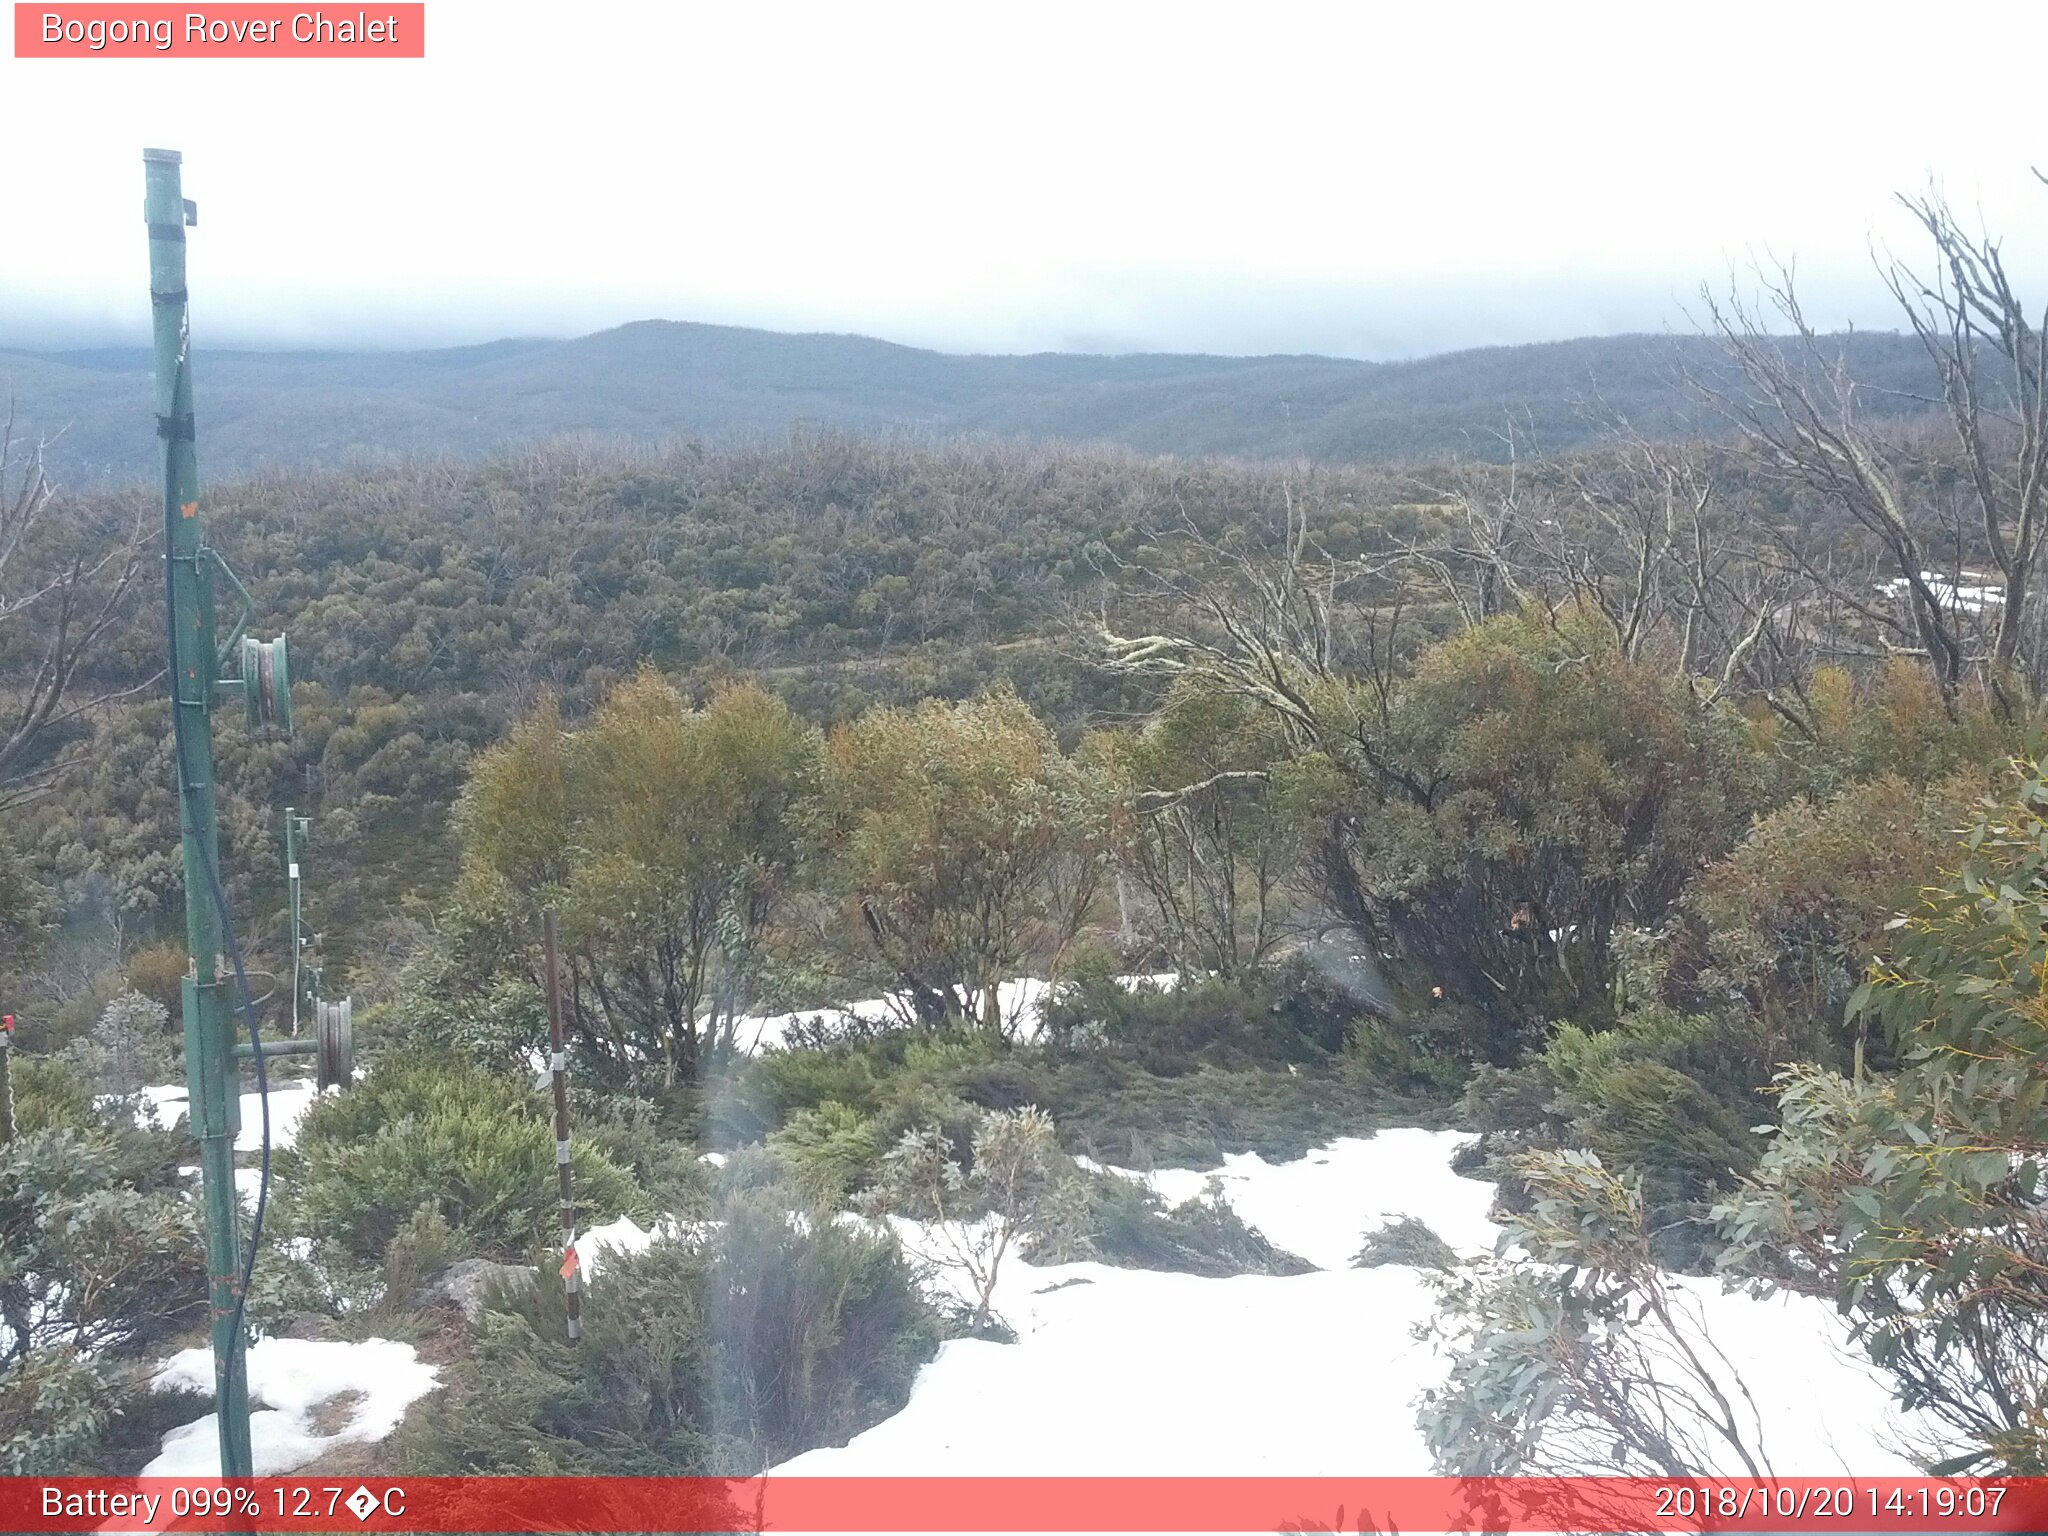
(226,31)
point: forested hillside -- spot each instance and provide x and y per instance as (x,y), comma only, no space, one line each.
(936,827)
(297,410)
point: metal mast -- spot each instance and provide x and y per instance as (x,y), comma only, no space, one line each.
(196,661)
(214,1100)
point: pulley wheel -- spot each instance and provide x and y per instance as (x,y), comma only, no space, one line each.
(334,1028)
(267,683)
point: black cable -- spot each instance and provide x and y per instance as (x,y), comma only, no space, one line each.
(239,1346)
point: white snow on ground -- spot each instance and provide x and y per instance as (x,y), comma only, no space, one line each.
(166,1103)
(289,1381)
(1020,1001)
(248,1181)
(290,1098)
(627,1236)
(288,1104)
(1134,1372)
(622,1236)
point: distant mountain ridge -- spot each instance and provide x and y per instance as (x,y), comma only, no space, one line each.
(657,378)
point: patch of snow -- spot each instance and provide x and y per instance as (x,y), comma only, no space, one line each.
(164,1103)
(715,1159)
(289,1102)
(1968,592)
(290,1098)
(622,1236)
(291,1379)
(1134,1372)
(248,1181)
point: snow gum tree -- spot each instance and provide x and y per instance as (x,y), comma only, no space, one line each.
(962,848)
(666,836)
(1208,837)
(1917,1198)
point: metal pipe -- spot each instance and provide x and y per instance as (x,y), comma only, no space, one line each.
(275,1048)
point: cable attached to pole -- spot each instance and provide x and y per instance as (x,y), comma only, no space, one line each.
(227,928)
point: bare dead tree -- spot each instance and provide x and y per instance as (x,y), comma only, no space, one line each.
(1482,564)
(1992,361)
(1266,624)
(1643,503)
(1802,416)
(64,587)
(1636,531)
(1311,642)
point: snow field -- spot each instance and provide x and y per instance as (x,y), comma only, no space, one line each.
(1138,1373)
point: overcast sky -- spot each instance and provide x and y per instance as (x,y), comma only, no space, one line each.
(1366,179)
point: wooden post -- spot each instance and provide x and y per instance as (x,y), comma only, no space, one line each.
(558,1062)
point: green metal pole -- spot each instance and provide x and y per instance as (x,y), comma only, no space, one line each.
(209,1018)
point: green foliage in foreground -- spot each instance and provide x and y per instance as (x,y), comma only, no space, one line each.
(100,1266)
(1123,1223)
(1915,1197)
(1672,1096)
(1578,1355)
(1918,1198)
(1405,1241)
(474,1145)
(717,1356)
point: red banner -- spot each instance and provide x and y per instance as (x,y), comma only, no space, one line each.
(1052,1504)
(225,31)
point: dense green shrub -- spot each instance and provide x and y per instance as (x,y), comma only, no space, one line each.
(443,1006)
(1281,1015)
(87,1197)
(830,1151)
(1669,1095)
(756,1096)
(654,1138)
(716,1356)
(1125,1224)
(50,1091)
(129,1046)
(816,1329)
(1789,919)
(475,1146)
(1405,1241)
(1131,1119)
(1144,1077)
